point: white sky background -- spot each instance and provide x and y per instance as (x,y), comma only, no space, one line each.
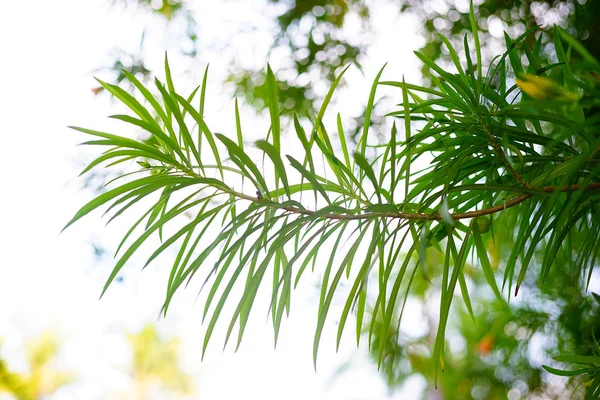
(52,281)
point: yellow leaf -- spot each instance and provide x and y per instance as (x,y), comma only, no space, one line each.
(541,88)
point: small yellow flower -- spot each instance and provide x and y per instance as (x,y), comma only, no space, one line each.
(541,88)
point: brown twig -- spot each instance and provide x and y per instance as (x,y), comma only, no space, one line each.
(427,217)
(501,154)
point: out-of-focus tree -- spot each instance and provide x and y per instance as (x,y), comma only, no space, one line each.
(309,33)
(42,379)
(155,366)
(312,44)
(499,18)
(311,36)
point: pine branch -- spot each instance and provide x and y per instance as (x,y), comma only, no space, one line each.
(414,216)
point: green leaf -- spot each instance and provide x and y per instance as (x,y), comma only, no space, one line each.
(273,154)
(246,162)
(453,55)
(307,146)
(132,249)
(393,298)
(577,359)
(362,141)
(325,305)
(446,301)
(393,160)
(119,141)
(342,137)
(485,262)
(128,100)
(328,97)
(112,154)
(309,177)
(204,129)
(273,108)
(172,106)
(561,372)
(203,93)
(475,32)
(107,196)
(587,56)
(359,286)
(152,100)
(184,230)
(238,127)
(407,134)
(168,76)
(368,170)
(170,144)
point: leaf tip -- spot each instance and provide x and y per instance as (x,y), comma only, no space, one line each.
(66,226)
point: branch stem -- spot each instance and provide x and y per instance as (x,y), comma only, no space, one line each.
(502,156)
(421,216)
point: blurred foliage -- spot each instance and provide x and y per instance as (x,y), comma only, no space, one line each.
(155,369)
(503,348)
(496,18)
(587,369)
(42,379)
(172,12)
(311,33)
(132,63)
(156,365)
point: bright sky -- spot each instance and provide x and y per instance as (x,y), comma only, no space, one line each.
(52,281)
